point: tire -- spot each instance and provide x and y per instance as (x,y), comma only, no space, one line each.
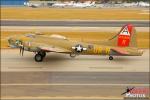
(72,55)
(42,53)
(111,58)
(38,58)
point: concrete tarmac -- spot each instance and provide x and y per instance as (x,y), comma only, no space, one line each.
(12,61)
(74,23)
(60,77)
(69,85)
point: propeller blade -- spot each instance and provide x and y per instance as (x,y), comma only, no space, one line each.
(22,50)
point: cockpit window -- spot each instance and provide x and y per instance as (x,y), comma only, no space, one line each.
(58,36)
(18,41)
(30,35)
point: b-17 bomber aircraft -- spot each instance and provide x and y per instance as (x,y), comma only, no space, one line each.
(122,44)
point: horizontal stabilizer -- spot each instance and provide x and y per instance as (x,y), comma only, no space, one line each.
(120,51)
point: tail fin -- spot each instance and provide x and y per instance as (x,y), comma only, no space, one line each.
(125,38)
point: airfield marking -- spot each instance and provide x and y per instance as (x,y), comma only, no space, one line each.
(66,29)
(39,84)
(144,13)
(63,97)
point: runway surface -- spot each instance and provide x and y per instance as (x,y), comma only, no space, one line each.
(74,23)
(61,78)
(12,61)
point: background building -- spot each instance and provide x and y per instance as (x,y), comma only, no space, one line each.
(13,2)
(97,0)
(21,2)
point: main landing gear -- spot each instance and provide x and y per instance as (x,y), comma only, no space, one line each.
(72,55)
(111,58)
(39,56)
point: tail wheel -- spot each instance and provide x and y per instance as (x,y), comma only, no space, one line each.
(111,58)
(42,53)
(72,55)
(38,58)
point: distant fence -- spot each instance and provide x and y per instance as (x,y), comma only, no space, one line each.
(13,2)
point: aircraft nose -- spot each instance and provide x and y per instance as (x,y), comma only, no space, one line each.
(10,41)
(13,42)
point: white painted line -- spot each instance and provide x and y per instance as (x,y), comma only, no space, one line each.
(41,84)
(67,29)
(144,13)
(64,97)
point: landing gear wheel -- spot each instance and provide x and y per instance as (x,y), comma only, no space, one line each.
(42,53)
(72,55)
(111,58)
(38,58)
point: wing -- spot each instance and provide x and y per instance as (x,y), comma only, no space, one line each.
(50,48)
(120,51)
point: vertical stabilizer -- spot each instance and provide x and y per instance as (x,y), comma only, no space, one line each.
(125,38)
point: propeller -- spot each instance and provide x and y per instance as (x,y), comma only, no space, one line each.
(21,48)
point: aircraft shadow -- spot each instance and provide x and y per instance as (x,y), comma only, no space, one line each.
(61,58)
